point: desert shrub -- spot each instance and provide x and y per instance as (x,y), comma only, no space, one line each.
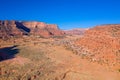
(118,70)
(59,37)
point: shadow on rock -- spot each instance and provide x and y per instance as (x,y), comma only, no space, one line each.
(23,28)
(8,52)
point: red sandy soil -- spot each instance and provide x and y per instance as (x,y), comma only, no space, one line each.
(89,57)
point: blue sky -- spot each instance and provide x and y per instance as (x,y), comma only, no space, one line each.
(67,14)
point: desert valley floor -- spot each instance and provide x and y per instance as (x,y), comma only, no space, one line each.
(34,58)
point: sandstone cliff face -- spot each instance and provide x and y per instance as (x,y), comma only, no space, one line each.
(9,28)
(101,44)
(16,28)
(34,24)
(42,29)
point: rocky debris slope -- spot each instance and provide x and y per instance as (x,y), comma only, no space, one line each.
(101,44)
(17,28)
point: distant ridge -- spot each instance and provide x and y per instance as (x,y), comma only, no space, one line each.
(77,31)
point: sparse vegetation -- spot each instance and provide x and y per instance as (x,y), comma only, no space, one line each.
(50,59)
(118,70)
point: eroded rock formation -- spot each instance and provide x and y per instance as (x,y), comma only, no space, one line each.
(16,28)
(42,29)
(8,29)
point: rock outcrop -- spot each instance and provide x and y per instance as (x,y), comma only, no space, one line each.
(42,29)
(101,44)
(16,28)
(8,29)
